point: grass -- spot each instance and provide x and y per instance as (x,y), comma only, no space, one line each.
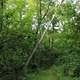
(54,73)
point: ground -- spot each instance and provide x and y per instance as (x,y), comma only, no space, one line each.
(54,73)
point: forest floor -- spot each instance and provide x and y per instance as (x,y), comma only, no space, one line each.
(54,73)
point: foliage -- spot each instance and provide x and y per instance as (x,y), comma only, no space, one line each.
(22,25)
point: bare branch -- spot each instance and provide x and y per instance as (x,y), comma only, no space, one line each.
(46,11)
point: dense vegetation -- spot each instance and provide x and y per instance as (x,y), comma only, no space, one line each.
(39,40)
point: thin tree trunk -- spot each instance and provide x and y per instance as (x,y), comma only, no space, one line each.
(1,14)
